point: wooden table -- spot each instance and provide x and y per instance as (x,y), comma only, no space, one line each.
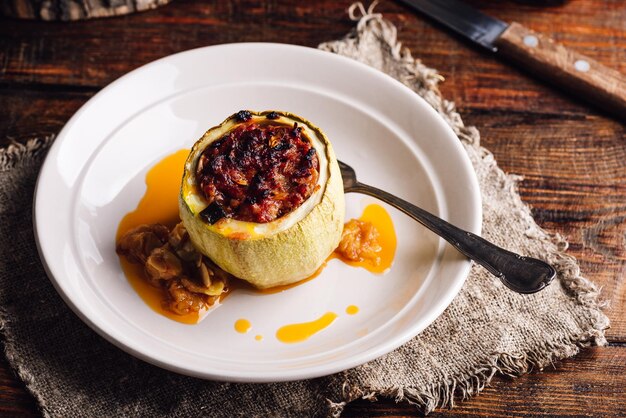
(572,157)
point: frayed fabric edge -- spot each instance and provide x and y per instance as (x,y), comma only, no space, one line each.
(15,152)
(24,375)
(460,388)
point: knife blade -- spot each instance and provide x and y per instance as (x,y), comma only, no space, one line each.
(534,52)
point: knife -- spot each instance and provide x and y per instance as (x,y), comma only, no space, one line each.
(537,53)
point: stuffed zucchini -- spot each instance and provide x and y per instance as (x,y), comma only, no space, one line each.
(262,196)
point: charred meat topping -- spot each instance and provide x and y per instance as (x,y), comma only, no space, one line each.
(257,172)
(213,213)
(243,116)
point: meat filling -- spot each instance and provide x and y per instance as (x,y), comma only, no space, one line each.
(257,172)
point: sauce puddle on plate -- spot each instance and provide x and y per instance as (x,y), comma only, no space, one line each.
(160,205)
(242,326)
(352,310)
(160,202)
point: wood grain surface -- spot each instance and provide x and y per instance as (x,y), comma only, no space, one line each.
(562,67)
(572,156)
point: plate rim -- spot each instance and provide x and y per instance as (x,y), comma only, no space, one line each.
(281,375)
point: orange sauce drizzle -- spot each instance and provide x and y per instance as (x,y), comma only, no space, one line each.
(295,333)
(160,205)
(242,326)
(352,310)
(258,337)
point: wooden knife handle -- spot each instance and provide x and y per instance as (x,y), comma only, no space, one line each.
(576,73)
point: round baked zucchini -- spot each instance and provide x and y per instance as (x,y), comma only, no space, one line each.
(268,229)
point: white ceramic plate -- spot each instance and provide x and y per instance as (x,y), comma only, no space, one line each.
(95,172)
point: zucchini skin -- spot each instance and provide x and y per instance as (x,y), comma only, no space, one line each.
(272,259)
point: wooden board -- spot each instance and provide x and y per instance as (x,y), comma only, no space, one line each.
(572,157)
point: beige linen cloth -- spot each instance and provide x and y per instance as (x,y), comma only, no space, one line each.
(487,329)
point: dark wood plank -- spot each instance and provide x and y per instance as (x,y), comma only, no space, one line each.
(28,112)
(39,52)
(14,399)
(43,52)
(571,71)
(591,384)
(572,157)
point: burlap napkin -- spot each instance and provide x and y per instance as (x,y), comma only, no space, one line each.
(487,329)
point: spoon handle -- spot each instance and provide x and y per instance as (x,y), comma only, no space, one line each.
(518,273)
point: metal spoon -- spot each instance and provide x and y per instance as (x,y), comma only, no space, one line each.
(518,273)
